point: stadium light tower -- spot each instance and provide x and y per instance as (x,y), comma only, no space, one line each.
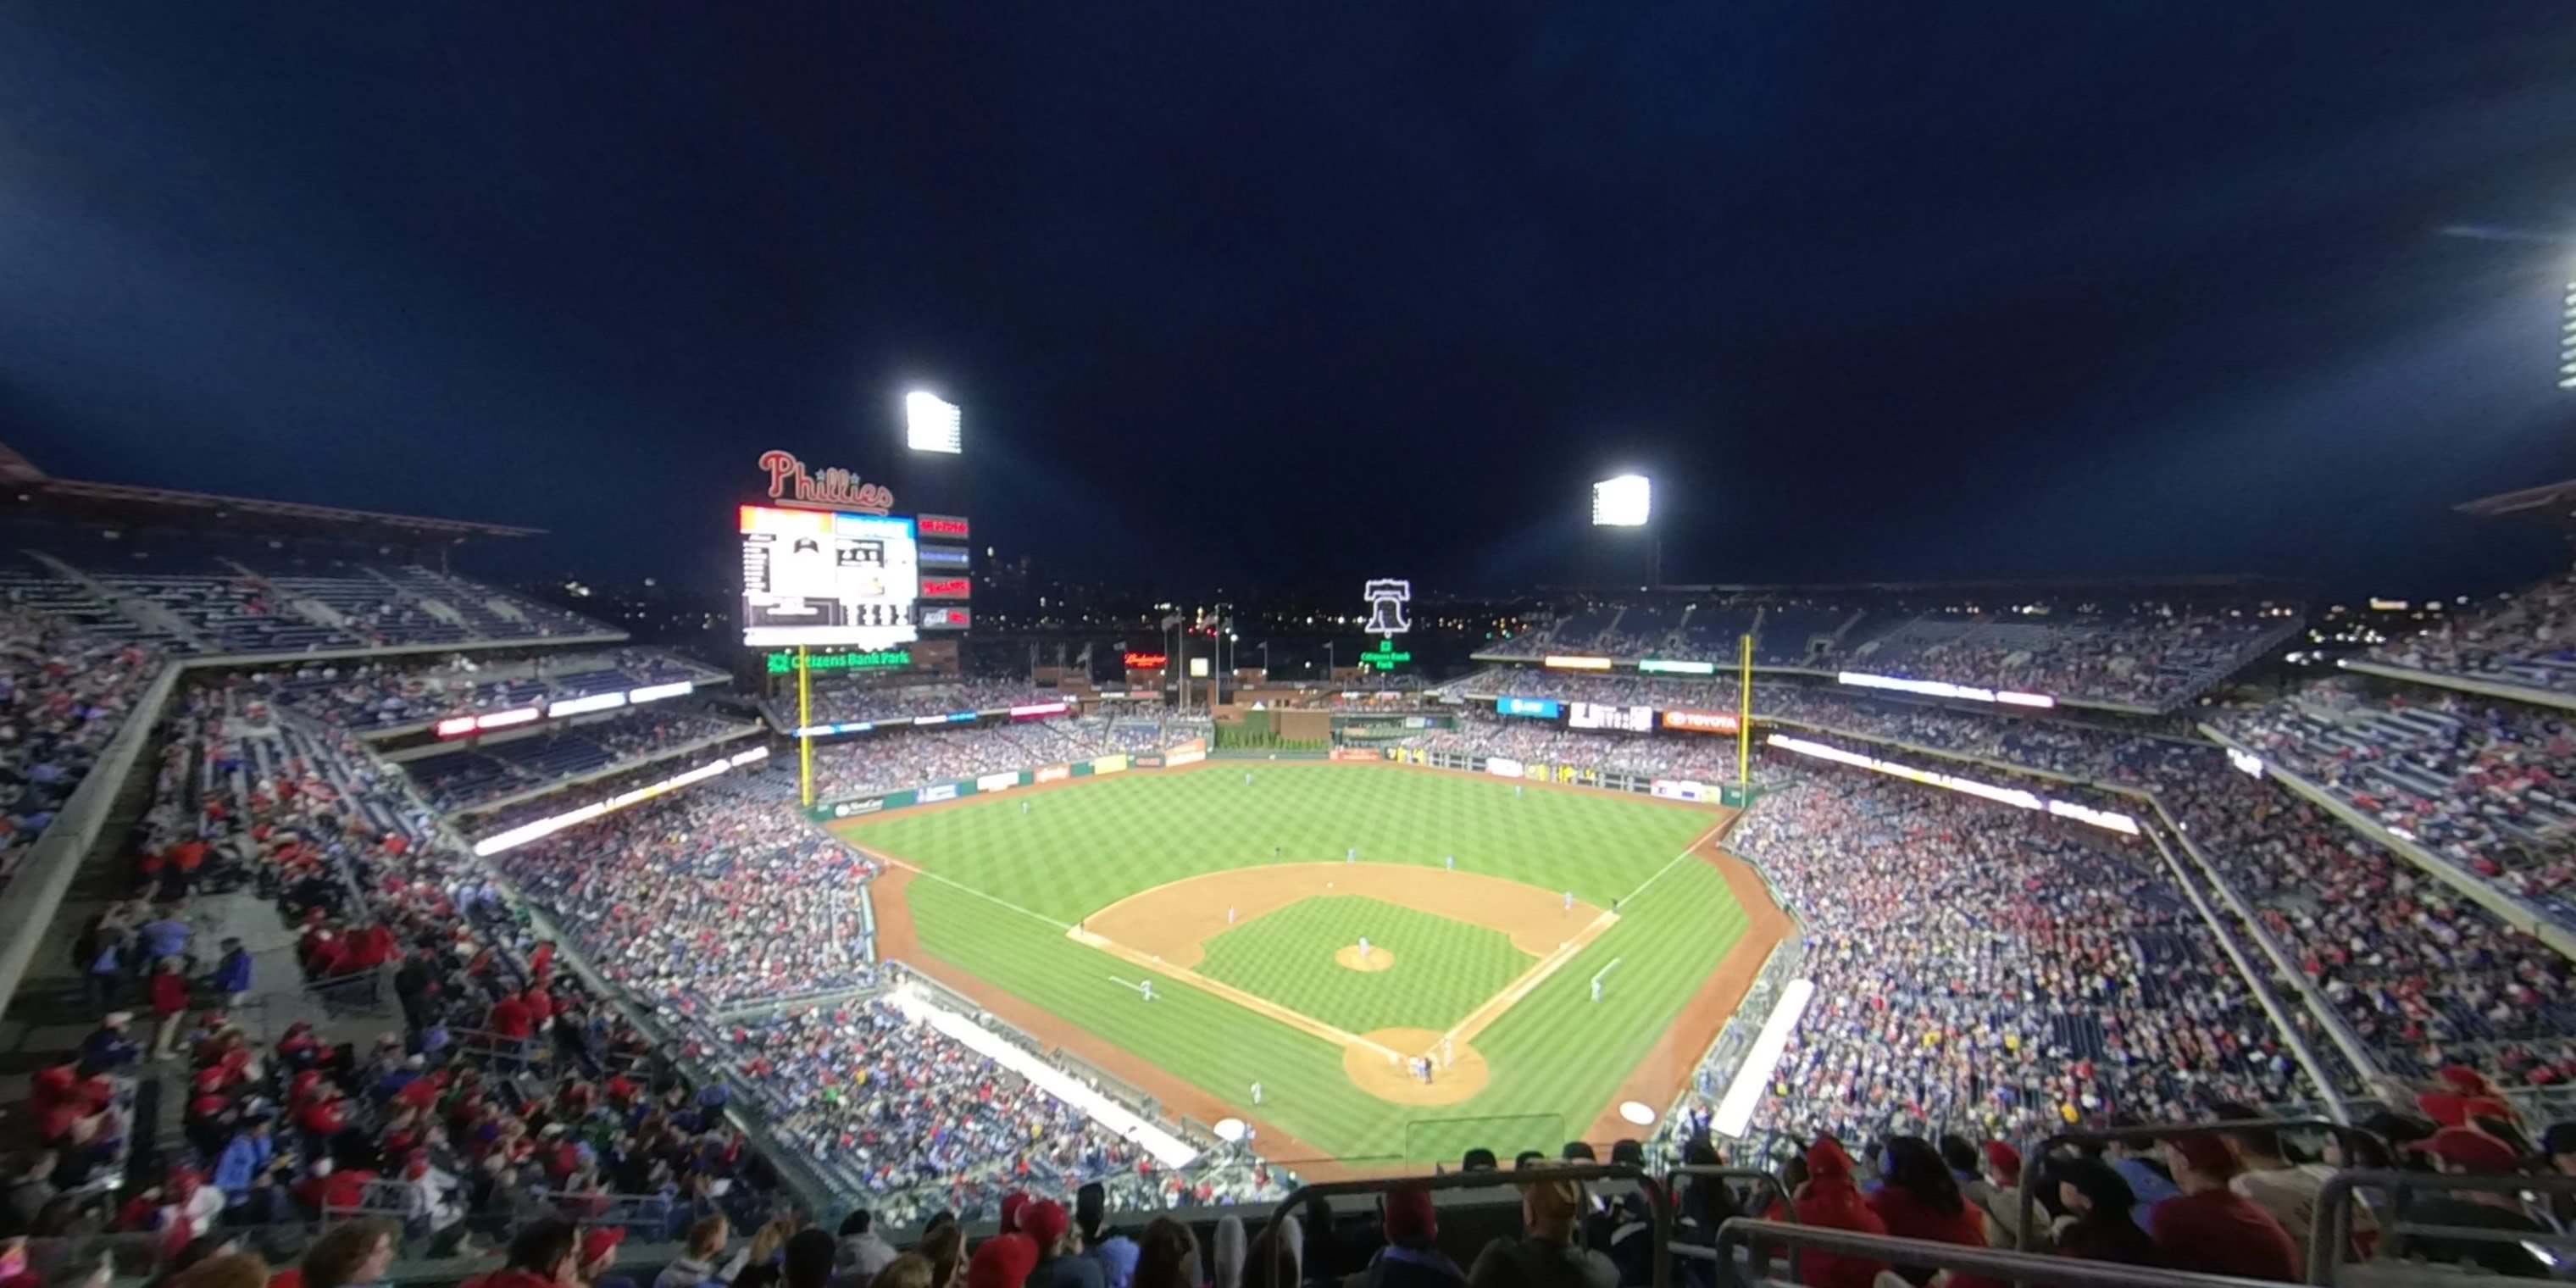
(2567,337)
(932,424)
(1628,501)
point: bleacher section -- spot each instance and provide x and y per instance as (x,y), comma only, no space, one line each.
(2151,658)
(498,770)
(199,603)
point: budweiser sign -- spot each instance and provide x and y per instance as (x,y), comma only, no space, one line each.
(790,484)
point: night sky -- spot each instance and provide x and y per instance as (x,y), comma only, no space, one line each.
(1290,294)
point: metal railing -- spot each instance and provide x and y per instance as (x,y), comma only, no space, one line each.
(2028,1199)
(1747,1236)
(2332,1235)
(1659,1208)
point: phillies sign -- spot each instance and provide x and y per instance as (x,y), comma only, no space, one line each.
(790,484)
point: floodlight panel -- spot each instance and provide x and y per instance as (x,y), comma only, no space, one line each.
(932,424)
(1623,502)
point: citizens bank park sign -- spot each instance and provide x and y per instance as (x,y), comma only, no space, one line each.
(834,489)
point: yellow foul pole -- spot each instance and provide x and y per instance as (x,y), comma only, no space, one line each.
(804,720)
(1744,722)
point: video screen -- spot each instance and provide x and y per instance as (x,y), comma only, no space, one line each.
(820,577)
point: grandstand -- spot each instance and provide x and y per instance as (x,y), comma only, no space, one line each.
(2140,650)
(504,917)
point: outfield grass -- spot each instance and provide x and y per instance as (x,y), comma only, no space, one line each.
(1000,885)
(1442,969)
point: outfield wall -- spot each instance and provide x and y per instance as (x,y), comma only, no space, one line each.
(1679,789)
(863,804)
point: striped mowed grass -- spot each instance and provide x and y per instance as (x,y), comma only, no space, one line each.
(999,887)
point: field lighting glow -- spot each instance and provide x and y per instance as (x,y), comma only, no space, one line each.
(932,424)
(1622,502)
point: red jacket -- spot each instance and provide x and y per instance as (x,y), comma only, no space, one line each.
(169,993)
(1830,1199)
(1908,1217)
(510,1019)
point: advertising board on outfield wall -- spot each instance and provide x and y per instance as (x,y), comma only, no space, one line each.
(1700,721)
(1682,789)
(936,792)
(1352,753)
(1179,756)
(1053,774)
(999,782)
(1502,767)
(1115,764)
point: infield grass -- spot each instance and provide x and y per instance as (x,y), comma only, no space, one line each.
(1442,969)
(1000,885)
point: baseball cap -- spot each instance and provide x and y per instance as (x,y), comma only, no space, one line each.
(1003,1262)
(1408,1215)
(2470,1148)
(600,1240)
(2207,1154)
(1043,1221)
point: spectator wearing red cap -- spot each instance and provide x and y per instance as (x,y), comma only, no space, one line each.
(1829,1198)
(598,1253)
(2466,1151)
(2212,1229)
(1003,1262)
(1059,1263)
(1993,1198)
(1412,1256)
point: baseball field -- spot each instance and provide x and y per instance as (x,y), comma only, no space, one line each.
(1407,962)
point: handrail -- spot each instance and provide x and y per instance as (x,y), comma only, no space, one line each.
(1658,1203)
(1788,1203)
(2255,980)
(2509,908)
(33,896)
(2332,1232)
(2025,1267)
(2028,1200)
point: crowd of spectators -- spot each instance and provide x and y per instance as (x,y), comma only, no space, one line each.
(506,1090)
(388,693)
(709,898)
(468,777)
(1535,742)
(2490,787)
(2155,657)
(893,759)
(920,1123)
(2422,974)
(1979,969)
(863,701)
(63,695)
(2528,639)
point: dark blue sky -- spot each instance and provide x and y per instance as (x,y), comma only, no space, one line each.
(1313,291)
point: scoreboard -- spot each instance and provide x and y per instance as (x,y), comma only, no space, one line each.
(1602,715)
(827,577)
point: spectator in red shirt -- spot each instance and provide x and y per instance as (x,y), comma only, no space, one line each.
(1830,1199)
(2210,1228)
(1921,1200)
(169,1006)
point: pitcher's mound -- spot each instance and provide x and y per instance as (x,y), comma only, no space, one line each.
(1348,957)
(1461,1079)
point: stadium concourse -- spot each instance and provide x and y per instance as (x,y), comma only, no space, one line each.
(280,956)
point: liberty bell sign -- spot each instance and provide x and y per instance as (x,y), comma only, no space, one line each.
(1386,599)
